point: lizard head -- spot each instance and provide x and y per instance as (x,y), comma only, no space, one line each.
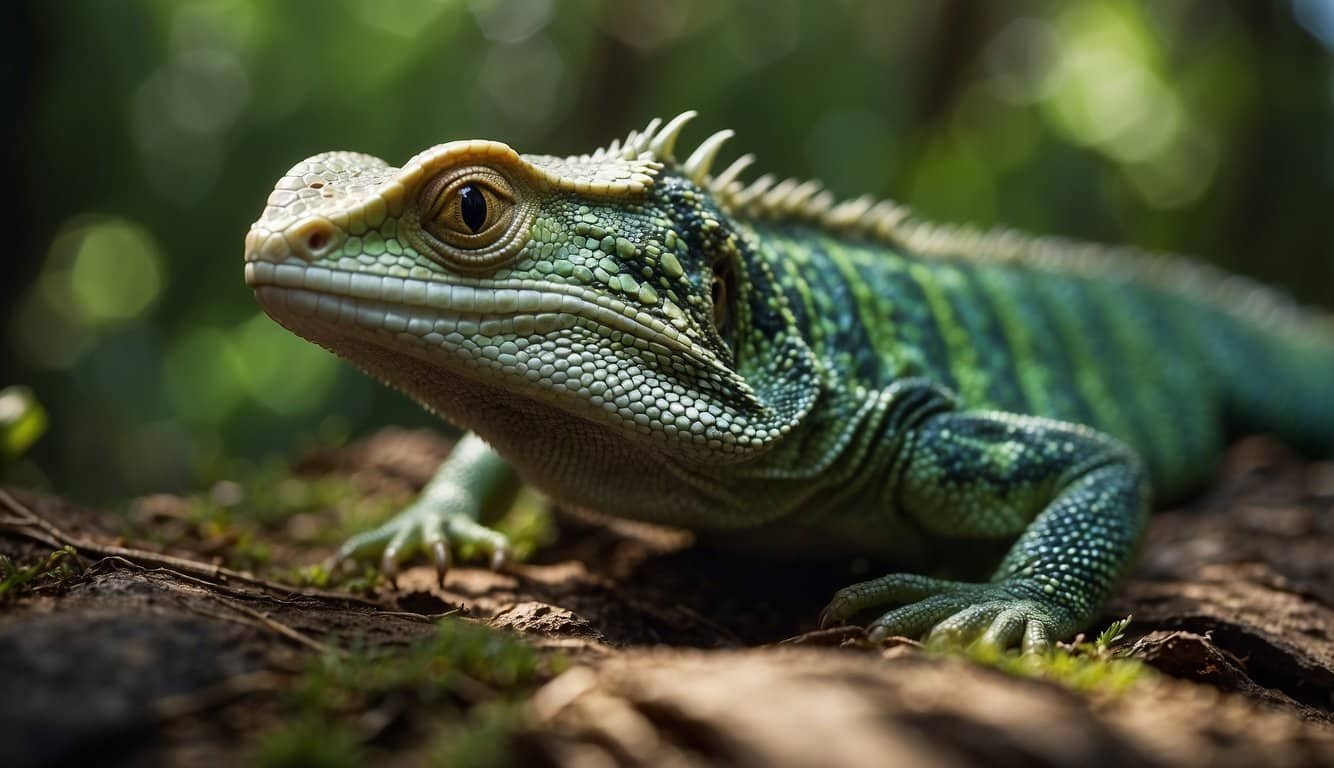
(493,287)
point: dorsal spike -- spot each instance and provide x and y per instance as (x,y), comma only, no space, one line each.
(645,136)
(821,204)
(628,148)
(849,212)
(701,160)
(796,199)
(722,181)
(758,187)
(664,143)
(772,201)
(885,219)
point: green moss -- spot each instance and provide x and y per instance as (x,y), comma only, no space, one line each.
(1080,666)
(17,580)
(461,689)
(457,658)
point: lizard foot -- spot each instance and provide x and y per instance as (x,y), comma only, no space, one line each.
(425,527)
(1002,614)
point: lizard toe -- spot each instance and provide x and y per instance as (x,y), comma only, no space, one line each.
(1006,629)
(965,626)
(1038,636)
(481,540)
(886,590)
(425,529)
(915,619)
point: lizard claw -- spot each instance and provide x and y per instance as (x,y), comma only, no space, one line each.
(426,529)
(440,554)
(389,565)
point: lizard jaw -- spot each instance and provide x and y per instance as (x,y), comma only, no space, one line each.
(504,335)
(404,304)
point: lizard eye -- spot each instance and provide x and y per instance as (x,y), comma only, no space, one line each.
(468,209)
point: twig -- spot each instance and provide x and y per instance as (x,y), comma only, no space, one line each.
(175,575)
(52,536)
(280,628)
(215,573)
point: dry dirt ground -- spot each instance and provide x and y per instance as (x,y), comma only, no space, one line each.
(652,650)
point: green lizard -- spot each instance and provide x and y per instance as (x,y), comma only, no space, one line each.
(637,335)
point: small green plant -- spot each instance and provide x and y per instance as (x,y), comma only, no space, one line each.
(1111,635)
(18,580)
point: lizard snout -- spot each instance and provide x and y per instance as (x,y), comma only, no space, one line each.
(309,239)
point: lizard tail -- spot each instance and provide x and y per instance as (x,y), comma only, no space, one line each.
(1281,381)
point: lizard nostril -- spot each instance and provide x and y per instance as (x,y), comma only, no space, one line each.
(312,239)
(316,240)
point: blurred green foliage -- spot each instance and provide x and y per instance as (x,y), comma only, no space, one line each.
(149,133)
(22,421)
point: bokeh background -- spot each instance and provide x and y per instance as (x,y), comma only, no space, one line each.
(145,135)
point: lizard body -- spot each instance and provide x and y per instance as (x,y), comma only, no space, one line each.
(639,336)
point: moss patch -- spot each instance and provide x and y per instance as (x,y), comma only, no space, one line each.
(1081,666)
(454,696)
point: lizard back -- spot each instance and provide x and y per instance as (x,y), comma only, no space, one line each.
(1170,372)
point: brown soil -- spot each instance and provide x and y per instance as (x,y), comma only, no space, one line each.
(684,655)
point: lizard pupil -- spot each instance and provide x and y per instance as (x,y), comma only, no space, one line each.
(472,208)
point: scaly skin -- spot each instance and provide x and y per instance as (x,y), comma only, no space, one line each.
(637,336)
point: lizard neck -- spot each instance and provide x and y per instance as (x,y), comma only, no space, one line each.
(575,462)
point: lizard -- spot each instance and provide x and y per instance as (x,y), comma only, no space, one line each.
(643,336)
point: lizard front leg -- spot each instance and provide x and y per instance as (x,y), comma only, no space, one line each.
(1077,500)
(471,482)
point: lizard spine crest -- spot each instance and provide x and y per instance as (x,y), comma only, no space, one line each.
(890,222)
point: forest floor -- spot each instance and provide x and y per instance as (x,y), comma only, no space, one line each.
(200,630)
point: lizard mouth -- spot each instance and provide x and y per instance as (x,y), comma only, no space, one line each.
(438,313)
